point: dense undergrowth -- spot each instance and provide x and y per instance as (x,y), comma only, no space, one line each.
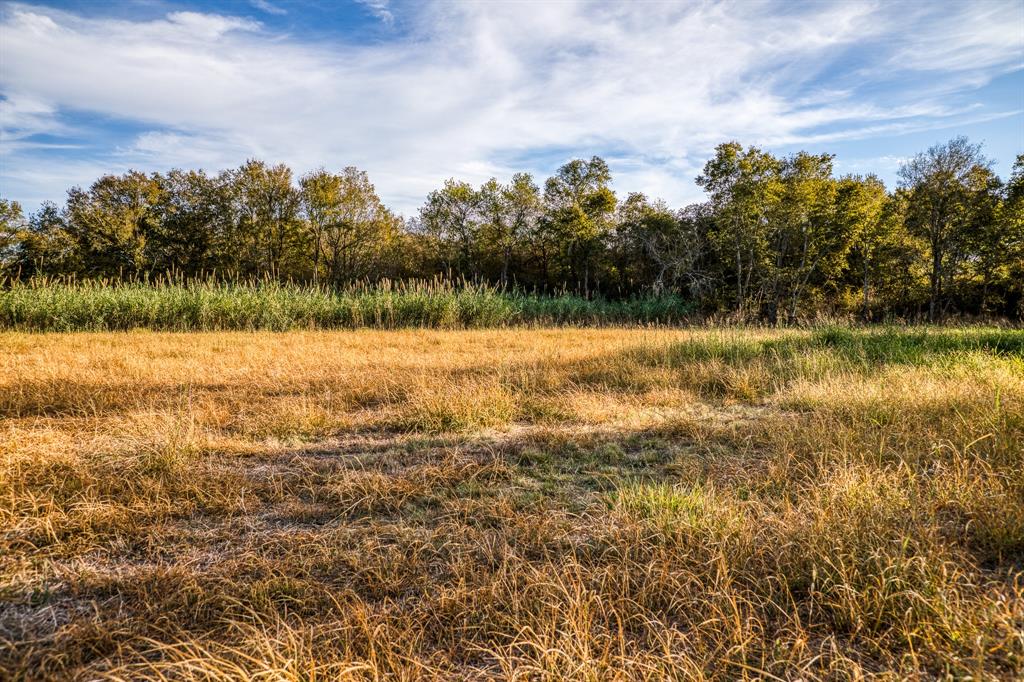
(213,306)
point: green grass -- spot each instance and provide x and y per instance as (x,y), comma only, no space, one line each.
(210,306)
(867,348)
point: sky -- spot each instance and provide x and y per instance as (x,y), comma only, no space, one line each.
(418,92)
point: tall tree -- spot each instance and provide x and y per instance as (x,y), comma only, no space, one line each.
(45,247)
(806,239)
(12,227)
(580,207)
(188,235)
(744,187)
(451,217)
(1006,250)
(986,243)
(268,226)
(509,212)
(348,224)
(940,183)
(112,221)
(658,249)
(862,205)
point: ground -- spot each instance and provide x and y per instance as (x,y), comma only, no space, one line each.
(512,504)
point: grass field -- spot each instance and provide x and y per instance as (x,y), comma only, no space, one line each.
(514,504)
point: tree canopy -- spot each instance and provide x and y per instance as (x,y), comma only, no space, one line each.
(779,239)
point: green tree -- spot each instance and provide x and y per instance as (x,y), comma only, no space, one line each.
(806,240)
(658,249)
(12,228)
(1004,256)
(941,184)
(266,229)
(863,207)
(112,221)
(986,243)
(44,247)
(187,237)
(451,218)
(509,213)
(744,188)
(579,206)
(349,225)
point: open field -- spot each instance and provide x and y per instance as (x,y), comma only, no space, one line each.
(512,504)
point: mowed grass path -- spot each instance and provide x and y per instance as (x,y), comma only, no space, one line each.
(512,504)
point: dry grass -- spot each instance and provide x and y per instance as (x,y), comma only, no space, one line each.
(513,504)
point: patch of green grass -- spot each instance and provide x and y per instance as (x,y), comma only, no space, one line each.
(918,346)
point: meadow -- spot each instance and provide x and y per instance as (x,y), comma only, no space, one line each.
(520,503)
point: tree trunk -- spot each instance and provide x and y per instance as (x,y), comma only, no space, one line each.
(739,277)
(864,313)
(936,284)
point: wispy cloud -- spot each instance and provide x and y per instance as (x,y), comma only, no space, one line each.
(380,9)
(472,90)
(269,8)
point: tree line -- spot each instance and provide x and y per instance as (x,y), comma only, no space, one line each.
(778,239)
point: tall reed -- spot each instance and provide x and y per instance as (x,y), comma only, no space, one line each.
(64,306)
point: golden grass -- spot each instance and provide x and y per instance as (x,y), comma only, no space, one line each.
(512,504)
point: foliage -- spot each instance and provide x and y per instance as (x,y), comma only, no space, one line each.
(779,239)
(948,188)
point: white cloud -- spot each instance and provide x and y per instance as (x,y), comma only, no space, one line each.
(380,9)
(201,26)
(22,116)
(269,8)
(982,35)
(479,89)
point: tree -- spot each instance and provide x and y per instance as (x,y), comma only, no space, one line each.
(579,206)
(44,247)
(348,223)
(509,213)
(112,221)
(188,234)
(863,206)
(806,240)
(266,229)
(12,226)
(986,243)
(1006,251)
(451,217)
(660,249)
(940,183)
(744,189)
(542,244)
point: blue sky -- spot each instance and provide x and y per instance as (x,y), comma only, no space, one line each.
(418,92)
